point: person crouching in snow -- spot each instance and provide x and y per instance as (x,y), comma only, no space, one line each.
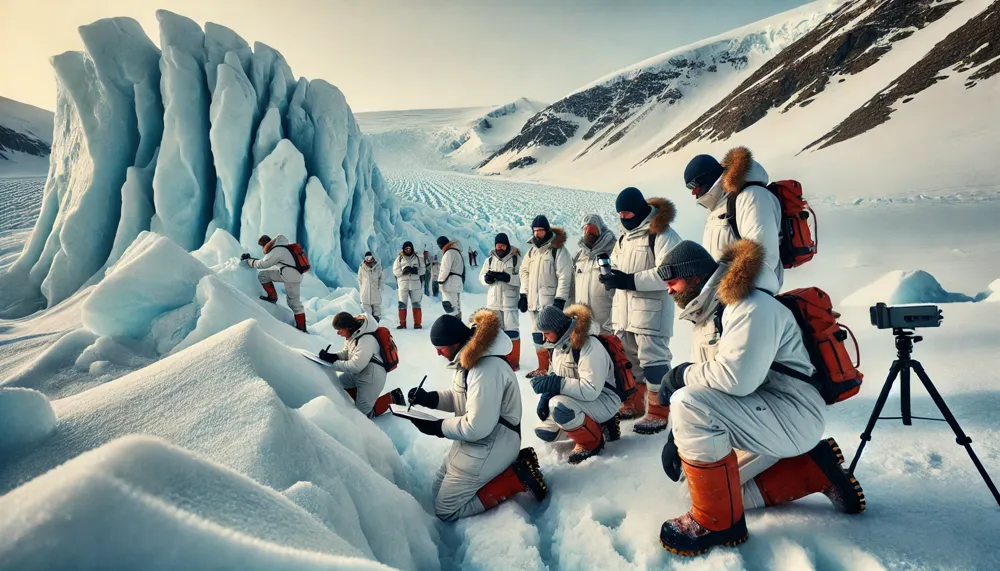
(483,467)
(744,435)
(451,276)
(285,273)
(408,268)
(501,274)
(578,399)
(361,373)
(370,279)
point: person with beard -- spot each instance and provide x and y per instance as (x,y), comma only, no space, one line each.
(501,274)
(743,435)
(758,212)
(597,242)
(642,313)
(451,276)
(546,279)
(370,279)
(408,268)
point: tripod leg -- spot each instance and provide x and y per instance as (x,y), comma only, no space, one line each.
(867,434)
(904,393)
(961,437)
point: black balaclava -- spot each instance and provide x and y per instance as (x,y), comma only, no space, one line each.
(632,200)
(502,239)
(541,221)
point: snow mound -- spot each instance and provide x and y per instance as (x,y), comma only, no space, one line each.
(231,399)
(992,292)
(143,503)
(899,286)
(26,418)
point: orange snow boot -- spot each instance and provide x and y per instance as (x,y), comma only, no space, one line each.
(272,294)
(514,357)
(716,516)
(589,440)
(300,322)
(521,476)
(543,364)
(395,396)
(656,415)
(635,406)
(418,318)
(402,319)
(817,471)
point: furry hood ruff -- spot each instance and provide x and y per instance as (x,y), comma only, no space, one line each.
(741,169)
(584,320)
(558,238)
(512,252)
(453,245)
(487,328)
(745,259)
(663,215)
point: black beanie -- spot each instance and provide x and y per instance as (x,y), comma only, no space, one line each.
(407,243)
(685,260)
(449,330)
(442,241)
(632,200)
(368,254)
(541,221)
(502,239)
(705,169)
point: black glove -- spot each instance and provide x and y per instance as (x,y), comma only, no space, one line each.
(501,276)
(672,381)
(618,280)
(428,427)
(671,459)
(559,303)
(327,356)
(522,304)
(245,257)
(411,270)
(489,278)
(423,398)
(543,407)
(547,384)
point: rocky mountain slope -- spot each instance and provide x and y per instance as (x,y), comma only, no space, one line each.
(25,137)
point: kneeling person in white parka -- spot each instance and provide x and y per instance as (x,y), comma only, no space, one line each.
(359,363)
(578,396)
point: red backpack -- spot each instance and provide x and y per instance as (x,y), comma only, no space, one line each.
(624,379)
(299,255)
(387,349)
(837,376)
(798,242)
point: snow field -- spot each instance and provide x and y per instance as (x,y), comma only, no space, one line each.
(22,199)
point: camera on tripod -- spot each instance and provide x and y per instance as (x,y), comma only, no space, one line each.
(905,316)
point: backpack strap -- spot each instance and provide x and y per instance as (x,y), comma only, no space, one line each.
(731,214)
(378,362)
(652,245)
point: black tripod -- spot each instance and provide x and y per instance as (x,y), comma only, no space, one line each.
(901,368)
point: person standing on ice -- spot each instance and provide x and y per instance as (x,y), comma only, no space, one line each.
(426,278)
(501,274)
(279,265)
(370,279)
(408,268)
(577,399)
(642,313)
(361,372)
(451,276)
(546,279)
(744,435)
(597,242)
(472,257)
(483,467)
(435,270)
(757,210)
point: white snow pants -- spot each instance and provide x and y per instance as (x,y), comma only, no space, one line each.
(373,310)
(292,285)
(369,382)
(645,351)
(410,293)
(509,322)
(781,419)
(452,299)
(468,467)
(568,413)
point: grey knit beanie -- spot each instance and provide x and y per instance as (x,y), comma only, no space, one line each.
(552,319)
(685,260)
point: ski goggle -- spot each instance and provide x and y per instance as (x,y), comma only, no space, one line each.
(694,184)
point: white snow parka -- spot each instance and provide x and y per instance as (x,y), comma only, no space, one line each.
(452,268)
(587,286)
(358,353)
(757,330)
(592,376)
(547,272)
(502,296)
(408,282)
(758,214)
(370,282)
(280,257)
(649,310)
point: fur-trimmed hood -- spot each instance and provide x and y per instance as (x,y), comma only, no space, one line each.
(584,321)
(741,169)
(512,252)
(453,245)
(558,239)
(663,215)
(278,240)
(745,259)
(486,340)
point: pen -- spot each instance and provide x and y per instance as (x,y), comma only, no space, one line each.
(420,386)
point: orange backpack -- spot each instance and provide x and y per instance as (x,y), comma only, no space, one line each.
(299,255)
(837,376)
(387,348)
(624,385)
(798,242)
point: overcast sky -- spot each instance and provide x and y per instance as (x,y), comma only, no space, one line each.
(399,54)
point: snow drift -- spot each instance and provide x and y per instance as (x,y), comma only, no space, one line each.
(898,287)
(206,134)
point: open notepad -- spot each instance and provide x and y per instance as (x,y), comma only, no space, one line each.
(313,357)
(398,410)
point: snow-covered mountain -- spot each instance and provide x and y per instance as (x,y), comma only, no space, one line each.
(25,139)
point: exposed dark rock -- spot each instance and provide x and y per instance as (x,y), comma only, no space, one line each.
(12,141)
(974,44)
(805,68)
(521,163)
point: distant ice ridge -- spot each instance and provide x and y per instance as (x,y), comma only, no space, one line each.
(204,135)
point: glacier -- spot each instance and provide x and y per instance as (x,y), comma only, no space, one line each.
(205,134)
